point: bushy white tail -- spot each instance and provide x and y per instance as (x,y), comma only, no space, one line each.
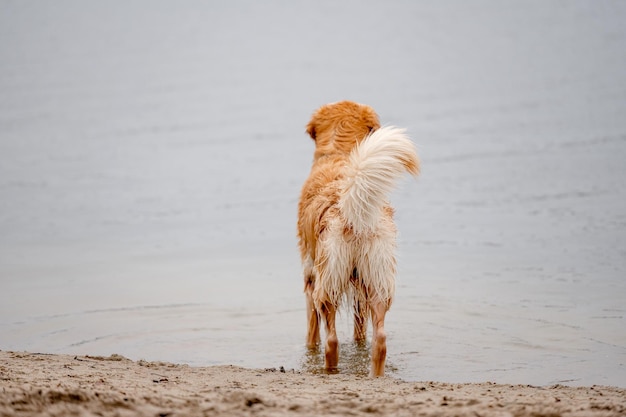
(372,170)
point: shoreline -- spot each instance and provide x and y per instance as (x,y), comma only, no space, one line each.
(55,385)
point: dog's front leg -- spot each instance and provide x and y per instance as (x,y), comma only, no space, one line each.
(360,320)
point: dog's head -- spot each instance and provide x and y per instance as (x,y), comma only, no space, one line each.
(338,127)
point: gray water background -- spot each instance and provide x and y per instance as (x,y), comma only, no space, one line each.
(152,152)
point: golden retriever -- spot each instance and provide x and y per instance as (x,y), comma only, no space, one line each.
(346,232)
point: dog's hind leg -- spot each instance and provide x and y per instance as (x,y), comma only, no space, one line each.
(331,351)
(312,316)
(377,267)
(313,328)
(332,273)
(379,339)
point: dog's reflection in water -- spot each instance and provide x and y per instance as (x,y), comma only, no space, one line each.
(354,360)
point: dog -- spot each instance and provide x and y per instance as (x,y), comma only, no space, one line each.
(346,232)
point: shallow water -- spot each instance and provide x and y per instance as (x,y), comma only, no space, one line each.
(151,156)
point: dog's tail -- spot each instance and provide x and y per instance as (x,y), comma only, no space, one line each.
(371,173)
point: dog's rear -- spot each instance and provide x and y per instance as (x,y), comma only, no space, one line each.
(346,231)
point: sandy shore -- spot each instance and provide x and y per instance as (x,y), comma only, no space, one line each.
(55,385)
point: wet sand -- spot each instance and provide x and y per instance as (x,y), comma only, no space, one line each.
(59,385)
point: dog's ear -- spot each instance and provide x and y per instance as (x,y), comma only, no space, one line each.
(310,129)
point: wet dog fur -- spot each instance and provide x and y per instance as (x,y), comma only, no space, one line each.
(346,232)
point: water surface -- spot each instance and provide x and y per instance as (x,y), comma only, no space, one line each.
(151,155)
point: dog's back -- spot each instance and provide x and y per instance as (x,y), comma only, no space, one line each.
(345,225)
